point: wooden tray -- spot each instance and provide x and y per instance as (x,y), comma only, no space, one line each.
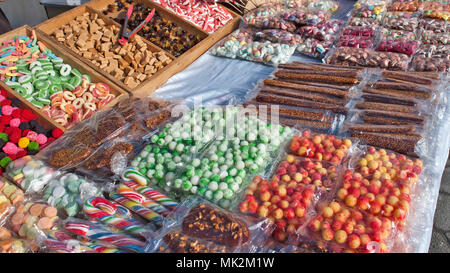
(162,75)
(84,69)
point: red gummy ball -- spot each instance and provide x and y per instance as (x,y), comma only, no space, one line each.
(5,102)
(4,120)
(16,113)
(27,115)
(56,133)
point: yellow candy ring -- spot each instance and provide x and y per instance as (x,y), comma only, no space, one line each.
(69,96)
(69,108)
(90,106)
(79,91)
(87,97)
(78,103)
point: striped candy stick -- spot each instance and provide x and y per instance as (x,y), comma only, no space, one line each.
(132,195)
(154,195)
(131,174)
(138,208)
(104,210)
(97,232)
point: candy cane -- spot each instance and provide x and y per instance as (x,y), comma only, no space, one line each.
(104,211)
(153,194)
(96,232)
(136,197)
(138,208)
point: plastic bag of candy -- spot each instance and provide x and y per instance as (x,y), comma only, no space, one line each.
(408,47)
(325,31)
(401,21)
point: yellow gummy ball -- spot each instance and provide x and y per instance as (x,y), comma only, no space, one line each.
(23,142)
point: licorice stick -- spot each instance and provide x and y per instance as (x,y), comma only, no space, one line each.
(384,99)
(318,84)
(390,114)
(301,95)
(394,93)
(392,142)
(384,106)
(307,88)
(317,78)
(399,86)
(347,74)
(407,77)
(274,99)
(386,121)
(382,128)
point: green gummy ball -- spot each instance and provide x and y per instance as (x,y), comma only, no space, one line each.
(33,146)
(4,137)
(5,161)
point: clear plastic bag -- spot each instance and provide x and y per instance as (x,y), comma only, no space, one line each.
(9,243)
(409,5)
(355,41)
(69,191)
(314,48)
(390,34)
(431,37)
(320,147)
(325,31)
(437,14)
(367,31)
(430,64)
(220,232)
(10,196)
(369,11)
(435,25)
(408,47)
(338,228)
(308,17)
(116,216)
(349,56)
(277,36)
(30,173)
(434,51)
(240,44)
(32,218)
(97,233)
(362,22)
(381,183)
(401,21)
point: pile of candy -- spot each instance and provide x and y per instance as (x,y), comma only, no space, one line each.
(275,30)
(20,132)
(209,17)
(59,90)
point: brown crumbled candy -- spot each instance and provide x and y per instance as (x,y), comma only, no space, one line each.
(382,128)
(153,121)
(430,64)
(109,127)
(206,222)
(307,88)
(103,158)
(91,38)
(67,156)
(393,142)
(180,243)
(86,137)
(384,106)
(265,97)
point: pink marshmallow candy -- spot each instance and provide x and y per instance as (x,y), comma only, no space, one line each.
(32,135)
(41,139)
(7,110)
(10,148)
(15,122)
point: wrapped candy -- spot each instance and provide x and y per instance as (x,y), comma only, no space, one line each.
(407,47)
